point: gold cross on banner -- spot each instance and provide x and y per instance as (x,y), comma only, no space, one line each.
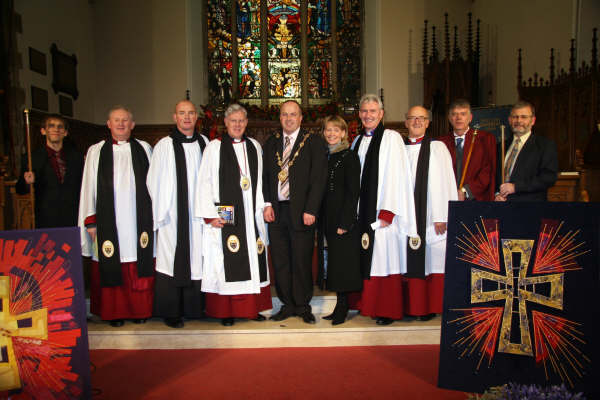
(515,285)
(33,324)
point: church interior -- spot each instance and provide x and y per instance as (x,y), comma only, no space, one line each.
(78,58)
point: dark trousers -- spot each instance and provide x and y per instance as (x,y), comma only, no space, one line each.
(171,301)
(291,253)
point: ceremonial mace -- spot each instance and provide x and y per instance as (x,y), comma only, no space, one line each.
(502,147)
(31,189)
(464,170)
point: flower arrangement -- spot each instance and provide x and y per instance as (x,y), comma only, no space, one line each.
(516,391)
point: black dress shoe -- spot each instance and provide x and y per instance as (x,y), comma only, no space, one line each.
(339,316)
(227,321)
(308,317)
(176,322)
(284,313)
(117,323)
(259,317)
(139,321)
(330,316)
(426,317)
(384,321)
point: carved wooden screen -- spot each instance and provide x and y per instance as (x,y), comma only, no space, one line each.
(567,107)
(455,76)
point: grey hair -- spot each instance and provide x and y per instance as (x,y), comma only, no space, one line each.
(119,107)
(233,108)
(523,104)
(459,103)
(370,97)
(429,115)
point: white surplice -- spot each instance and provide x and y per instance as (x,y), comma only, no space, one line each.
(213,276)
(394,194)
(125,199)
(162,186)
(441,188)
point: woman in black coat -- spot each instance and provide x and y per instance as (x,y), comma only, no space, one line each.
(340,245)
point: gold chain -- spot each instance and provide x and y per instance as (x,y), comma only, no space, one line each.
(280,163)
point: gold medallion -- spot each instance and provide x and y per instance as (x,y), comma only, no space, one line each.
(108,249)
(414,242)
(364,241)
(144,240)
(282,175)
(260,246)
(233,244)
(244,182)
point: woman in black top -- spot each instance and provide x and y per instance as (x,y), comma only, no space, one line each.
(341,242)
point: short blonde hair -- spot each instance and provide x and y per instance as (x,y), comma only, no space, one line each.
(336,121)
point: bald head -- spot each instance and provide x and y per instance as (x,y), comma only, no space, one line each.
(185,117)
(417,121)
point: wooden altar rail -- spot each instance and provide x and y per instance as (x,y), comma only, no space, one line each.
(16,209)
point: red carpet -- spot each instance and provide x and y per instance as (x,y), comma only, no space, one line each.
(378,372)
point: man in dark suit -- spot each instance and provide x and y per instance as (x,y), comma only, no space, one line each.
(56,174)
(531,161)
(294,178)
(478,173)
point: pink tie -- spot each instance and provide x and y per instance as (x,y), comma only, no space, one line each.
(285,184)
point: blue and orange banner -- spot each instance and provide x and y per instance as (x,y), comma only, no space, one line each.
(44,350)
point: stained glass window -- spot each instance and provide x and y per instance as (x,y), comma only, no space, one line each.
(348,49)
(249,47)
(306,50)
(219,51)
(284,49)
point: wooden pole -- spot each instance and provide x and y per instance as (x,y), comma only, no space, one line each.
(502,147)
(29,166)
(464,171)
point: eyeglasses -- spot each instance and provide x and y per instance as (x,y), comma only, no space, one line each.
(524,117)
(415,118)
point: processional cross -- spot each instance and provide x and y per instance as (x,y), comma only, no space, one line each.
(33,324)
(515,285)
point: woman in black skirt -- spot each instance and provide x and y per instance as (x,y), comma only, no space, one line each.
(338,234)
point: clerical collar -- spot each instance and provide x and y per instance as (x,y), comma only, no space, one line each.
(180,137)
(119,141)
(416,141)
(370,133)
(237,141)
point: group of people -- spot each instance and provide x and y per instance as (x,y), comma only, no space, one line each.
(184,230)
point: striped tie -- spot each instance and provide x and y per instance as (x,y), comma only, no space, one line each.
(511,159)
(285,185)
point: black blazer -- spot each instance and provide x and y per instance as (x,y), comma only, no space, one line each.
(307,176)
(56,204)
(535,169)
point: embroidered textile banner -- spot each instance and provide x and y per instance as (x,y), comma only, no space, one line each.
(490,118)
(44,345)
(521,296)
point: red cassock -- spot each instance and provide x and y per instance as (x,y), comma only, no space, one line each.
(238,305)
(381,296)
(424,296)
(481,172)
(132,300)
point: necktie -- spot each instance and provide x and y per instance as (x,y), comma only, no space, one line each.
(459,157)
(511,159)
(285,185)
